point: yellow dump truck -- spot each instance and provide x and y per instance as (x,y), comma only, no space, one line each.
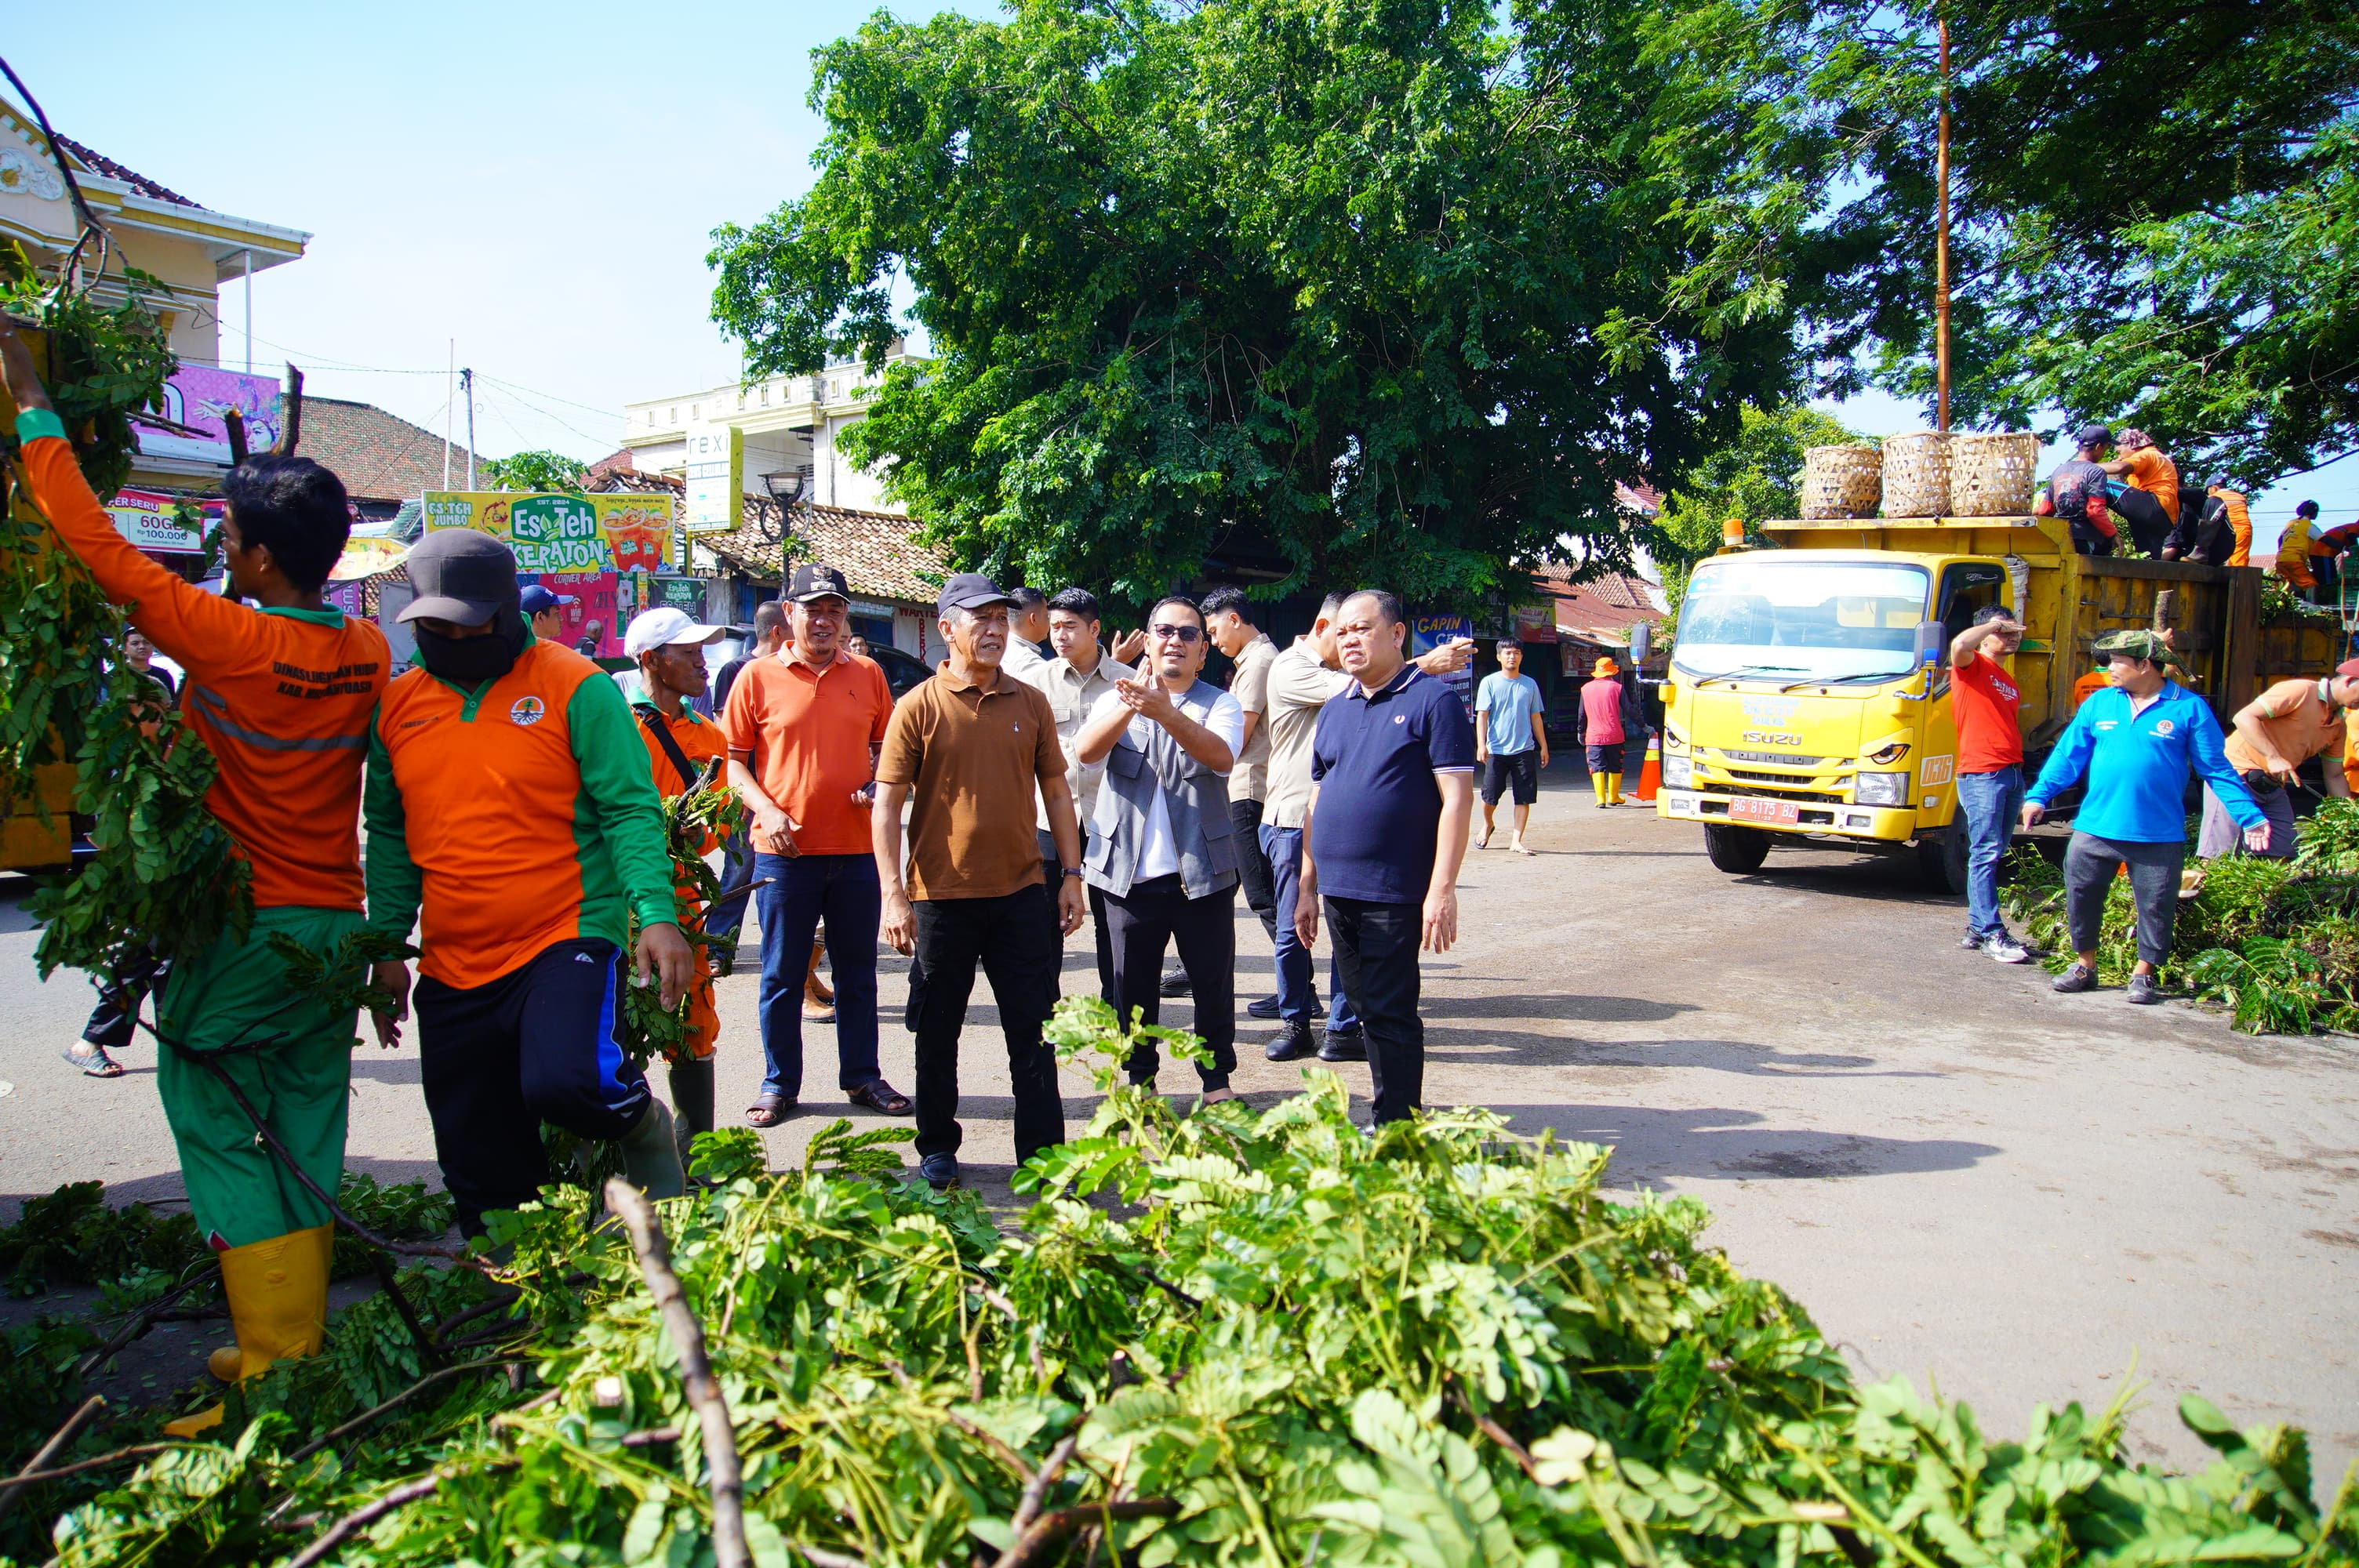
(1809,698)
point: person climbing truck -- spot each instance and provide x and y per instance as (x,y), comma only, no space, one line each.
(281,696)
(509,794)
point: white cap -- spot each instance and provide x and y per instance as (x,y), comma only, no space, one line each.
(664,627)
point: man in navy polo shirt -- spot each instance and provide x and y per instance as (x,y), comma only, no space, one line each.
(1393,759)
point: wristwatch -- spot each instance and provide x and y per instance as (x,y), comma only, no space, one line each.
(1070,871)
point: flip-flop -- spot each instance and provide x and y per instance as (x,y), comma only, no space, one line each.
(1214,1096)
(768,1110)
(97,1065)
(881,1098)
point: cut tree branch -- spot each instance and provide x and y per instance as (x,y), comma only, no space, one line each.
(724,1477)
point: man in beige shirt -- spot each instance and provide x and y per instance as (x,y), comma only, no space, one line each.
(1229,616)
(1299,683)
(1081,673)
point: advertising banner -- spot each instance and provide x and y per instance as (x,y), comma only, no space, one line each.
(152,521)
(1534,622)
(595,598)
(197,395)
(685,593)
(716,478)
(1427,632)
(557,533)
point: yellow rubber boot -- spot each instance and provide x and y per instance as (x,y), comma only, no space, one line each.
(278,1293)
(1597,787)
(1613,789)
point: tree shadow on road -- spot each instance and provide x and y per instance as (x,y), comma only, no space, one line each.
(1518,1048)
(1555,1004)
(1881,878)
(1714,1143)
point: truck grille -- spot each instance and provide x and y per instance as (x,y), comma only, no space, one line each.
(1783,781)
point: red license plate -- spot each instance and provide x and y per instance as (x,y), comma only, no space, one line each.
(1779,812)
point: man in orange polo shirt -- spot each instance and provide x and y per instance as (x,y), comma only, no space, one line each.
(966,750)
(803,727)
(682,745)
(281,698)
(508,794)
(2275,734)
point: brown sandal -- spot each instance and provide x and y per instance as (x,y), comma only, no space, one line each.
(768,1110)
(881,1098)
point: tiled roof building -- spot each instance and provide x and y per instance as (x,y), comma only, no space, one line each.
(383,459)
(876,551)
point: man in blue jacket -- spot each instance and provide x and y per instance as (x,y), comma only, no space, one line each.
(2133,744)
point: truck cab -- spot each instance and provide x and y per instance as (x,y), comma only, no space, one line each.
(1809,697)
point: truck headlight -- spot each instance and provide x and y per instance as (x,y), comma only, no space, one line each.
(1679,772)
(1880,789)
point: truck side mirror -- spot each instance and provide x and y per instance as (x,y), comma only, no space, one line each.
(1641,641)
(1933,640)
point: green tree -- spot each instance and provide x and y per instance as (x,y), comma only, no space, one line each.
(1754,478)
(2152,205)
(1383,292)
(536,470)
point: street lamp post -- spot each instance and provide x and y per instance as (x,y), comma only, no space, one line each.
(787,489)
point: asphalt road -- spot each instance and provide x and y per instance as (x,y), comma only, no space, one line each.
(2014,1197)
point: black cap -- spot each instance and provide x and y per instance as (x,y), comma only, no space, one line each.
(2093,435)
(818,582)
(2306,509)
(969,590)
(460,575)
(2217,482)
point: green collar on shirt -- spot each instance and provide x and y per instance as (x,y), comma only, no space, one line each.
(326,615)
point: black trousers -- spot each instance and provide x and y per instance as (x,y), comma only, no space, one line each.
(1015,939)
(1254,878)
(120,996)
(1142,923)
(540,1043)
(2091,864)
(1052,879)
(2150,525)
(1375,953)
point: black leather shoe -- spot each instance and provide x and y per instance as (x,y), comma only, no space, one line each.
(1290,1044)
(1175,982)
(1262,1007)
(939,1171)
(1345,1045)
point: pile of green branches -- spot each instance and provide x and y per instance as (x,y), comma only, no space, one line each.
(2275,942)
(1244,1336)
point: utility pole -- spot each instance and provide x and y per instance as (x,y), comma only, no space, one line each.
(467,380)
(249,311)
(1942,245)
(450,410)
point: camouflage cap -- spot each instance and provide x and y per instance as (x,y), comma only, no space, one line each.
(2133,644)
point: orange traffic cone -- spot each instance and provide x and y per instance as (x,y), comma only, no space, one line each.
(1650,773)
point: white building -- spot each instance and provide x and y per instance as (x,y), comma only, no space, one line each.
(793,423)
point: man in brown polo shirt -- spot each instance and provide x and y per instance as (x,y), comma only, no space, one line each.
(967,751)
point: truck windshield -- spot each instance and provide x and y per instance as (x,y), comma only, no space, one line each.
(1819,620)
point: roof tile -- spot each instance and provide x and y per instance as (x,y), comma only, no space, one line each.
(379,456)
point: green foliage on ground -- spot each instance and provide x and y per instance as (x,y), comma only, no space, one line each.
(2275,941)
(1390,294)
(1244,1336)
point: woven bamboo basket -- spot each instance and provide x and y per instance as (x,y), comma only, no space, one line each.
(1842,482)
(1917,474)
(1993,475)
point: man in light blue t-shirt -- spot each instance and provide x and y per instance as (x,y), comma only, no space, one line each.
(1510,743)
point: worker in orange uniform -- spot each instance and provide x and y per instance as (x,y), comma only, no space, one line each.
(2216,531)
(2151,503)
(682,747)
(508,795)
(2294,550)
(280,694)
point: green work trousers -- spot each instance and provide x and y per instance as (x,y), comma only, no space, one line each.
(238,992)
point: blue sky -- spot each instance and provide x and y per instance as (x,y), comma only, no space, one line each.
(535,183)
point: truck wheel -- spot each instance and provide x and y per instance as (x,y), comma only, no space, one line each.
(1942,858)
(1735,849)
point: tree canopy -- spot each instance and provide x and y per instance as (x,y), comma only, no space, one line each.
(1316,293)
(2153,206)
(535,470)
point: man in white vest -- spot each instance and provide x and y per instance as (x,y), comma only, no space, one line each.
(1162,850)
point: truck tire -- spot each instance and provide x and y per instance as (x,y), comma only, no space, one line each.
(1941,859)
(1736,850)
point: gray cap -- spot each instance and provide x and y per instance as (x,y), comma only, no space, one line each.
(2093,435)
(461,575)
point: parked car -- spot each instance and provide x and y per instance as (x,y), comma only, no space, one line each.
(902,670)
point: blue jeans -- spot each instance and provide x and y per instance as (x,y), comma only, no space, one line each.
(1284,848)
(1991,802)
(800,891)
(737,868)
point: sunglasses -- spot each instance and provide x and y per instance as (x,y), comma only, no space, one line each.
(1185,633)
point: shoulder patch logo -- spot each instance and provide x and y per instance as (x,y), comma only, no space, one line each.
(528,711)
(1400,717)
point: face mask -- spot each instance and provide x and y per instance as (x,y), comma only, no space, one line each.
(472,661)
